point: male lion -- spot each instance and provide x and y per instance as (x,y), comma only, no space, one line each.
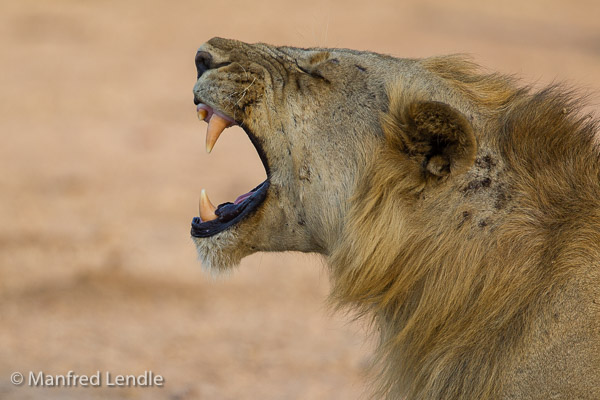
(460,211)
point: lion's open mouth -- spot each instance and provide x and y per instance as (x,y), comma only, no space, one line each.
(211,219)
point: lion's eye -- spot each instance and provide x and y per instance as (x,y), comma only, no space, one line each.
(312,72)
(307,72)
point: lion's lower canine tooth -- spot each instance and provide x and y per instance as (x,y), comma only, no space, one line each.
(206,208)
(216,125)
(202,113)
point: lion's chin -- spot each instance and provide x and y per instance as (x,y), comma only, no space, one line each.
(219,254)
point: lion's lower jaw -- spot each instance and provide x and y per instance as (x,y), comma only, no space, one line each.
(218,258)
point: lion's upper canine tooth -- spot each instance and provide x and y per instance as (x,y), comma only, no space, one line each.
(206,208)
(202,113)
(216,125)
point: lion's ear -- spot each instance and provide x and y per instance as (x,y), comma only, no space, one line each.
(434,135)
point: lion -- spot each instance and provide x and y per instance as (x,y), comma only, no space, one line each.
(456,209)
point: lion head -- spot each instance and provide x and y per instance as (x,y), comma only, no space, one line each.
(457,209)
(313,116)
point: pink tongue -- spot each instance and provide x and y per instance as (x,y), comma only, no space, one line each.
(242,198)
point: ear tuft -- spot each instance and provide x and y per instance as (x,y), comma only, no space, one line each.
(434,135)
(438,166)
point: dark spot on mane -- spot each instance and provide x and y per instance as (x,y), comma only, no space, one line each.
(476,185)
(485,162)
(361,68)
(466,215)
(502,198)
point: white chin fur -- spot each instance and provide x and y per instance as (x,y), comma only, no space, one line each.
(217,255)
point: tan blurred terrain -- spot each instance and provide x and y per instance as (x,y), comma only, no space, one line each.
(102,161)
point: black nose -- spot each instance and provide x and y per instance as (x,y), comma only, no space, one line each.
(203,61)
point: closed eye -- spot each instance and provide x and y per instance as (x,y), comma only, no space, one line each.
(313,73)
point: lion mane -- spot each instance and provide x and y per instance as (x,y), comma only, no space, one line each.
(454,308)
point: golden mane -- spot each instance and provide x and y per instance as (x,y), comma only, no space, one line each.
(491,90)
(454,301)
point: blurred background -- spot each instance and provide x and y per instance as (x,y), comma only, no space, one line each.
(102,161)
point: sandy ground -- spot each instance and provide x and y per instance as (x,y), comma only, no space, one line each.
(102,162)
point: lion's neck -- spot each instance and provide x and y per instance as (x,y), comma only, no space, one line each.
(431,321)
(449,303)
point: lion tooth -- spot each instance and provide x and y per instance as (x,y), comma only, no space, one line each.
(206,208)
(216,125)
(202,113)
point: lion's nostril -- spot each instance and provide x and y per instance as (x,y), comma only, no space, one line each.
(203,62)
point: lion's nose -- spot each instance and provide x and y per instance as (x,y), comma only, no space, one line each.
(203,62)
